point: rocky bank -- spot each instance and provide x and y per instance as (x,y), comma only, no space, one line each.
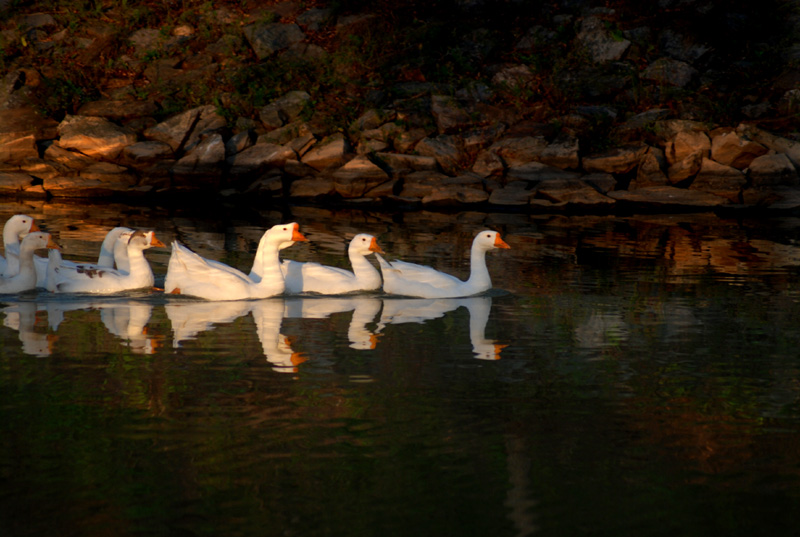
(430,145)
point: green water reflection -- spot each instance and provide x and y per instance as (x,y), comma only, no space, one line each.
(629,377)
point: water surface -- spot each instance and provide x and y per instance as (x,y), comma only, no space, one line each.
(626,376)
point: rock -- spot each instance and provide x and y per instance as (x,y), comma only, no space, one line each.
(619,160)
(398,163)
(598,40)
(20,129)
(513,77)
(730,149)
(573,192)
(239,142)
(118,110)
(95,137)
(770,141)
(259,157)
(297,135)
(206,158)
(14,183)
(666,71)
(514,193)
(771,170)
(447,150)
(651,170)
(357,177)
(145,153)
(719,179)
(454,195)
(284,110)
(43,169)
(331,152)
(686,144)
(268,38)
(684,169)
(636,128)
(421,184)
(405,141)
(449,114)
(311,187)
(535,172)
(602,182)
(68,159)
(488,163)
(372,119)
(668,197)
(183,131)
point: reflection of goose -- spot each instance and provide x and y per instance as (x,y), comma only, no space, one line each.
(410,279)
(322,279)
(190,274)
(364,309)
(22,318)
(25,278)
(190,317)
(128,321)
(268,316)
(69,278)
(14,231)
(416,310)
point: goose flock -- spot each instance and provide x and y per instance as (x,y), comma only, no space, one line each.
(121,266)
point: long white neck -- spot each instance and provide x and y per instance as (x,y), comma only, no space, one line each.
(257,272)
(139,267)
(266,272)
(479,273)
(365,272)
(10,236)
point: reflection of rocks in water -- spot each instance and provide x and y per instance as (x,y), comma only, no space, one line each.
(519,497)
(22,318)
(601,330)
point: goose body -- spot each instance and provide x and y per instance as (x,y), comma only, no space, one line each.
(66,278)
(326,280)
(14,230)
(410,279)
(191,274)
(25,278)
(113,254)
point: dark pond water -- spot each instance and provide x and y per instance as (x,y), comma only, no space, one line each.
(629,376)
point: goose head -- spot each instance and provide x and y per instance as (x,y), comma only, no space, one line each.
(364,244)
(142,239)
(18,226)
(489,240)
(285,234)
(37,240)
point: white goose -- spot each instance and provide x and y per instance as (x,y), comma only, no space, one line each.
(325,280)
(14,231)
(113,254)
(25,278)
(410,279)
(91,279)
(191,274)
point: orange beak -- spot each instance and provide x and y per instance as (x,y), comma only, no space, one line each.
(296,235)
(500,243)
(154,241)
(51,244)
(34,227)
(373,246)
